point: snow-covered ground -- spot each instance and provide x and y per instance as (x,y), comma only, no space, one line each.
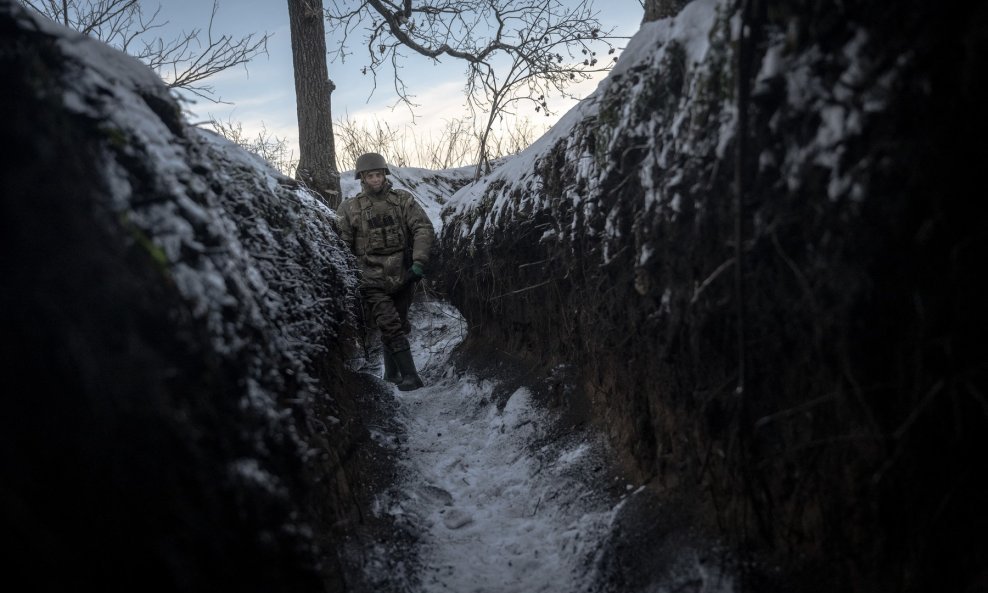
(498,504)
(499,496)
(495,501)
(496,496)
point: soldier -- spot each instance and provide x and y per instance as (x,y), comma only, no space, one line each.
(391,235)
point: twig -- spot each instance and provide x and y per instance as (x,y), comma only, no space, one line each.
(709,280)
(795,409)
(899,432)
(534,263)
(537,503)
(494,298)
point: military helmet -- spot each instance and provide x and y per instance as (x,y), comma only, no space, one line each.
(370,161)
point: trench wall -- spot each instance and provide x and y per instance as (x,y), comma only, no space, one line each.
(825,406)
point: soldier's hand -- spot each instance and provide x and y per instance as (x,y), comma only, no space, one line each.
(415,273)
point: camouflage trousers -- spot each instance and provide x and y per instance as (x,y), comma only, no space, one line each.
(388,312)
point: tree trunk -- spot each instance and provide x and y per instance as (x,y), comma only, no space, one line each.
(313,91)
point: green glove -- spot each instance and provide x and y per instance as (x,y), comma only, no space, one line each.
(417,269)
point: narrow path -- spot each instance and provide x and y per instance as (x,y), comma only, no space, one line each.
(500,505)
(499,499)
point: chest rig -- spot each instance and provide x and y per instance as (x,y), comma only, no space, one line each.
(382,228)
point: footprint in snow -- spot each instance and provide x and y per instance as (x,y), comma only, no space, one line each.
(436,494)
(455,519)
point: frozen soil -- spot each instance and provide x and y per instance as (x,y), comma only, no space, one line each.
(491,491)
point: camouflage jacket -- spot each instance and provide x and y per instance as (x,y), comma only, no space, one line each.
(387,232)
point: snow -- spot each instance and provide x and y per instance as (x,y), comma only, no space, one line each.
(250,472)
(500,505)
(690,30)
(672,141)
(499,496)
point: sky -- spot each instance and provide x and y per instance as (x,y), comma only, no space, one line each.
(691,29)
(262,94)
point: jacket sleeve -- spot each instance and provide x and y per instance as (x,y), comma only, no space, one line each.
(421,230)
(343,222)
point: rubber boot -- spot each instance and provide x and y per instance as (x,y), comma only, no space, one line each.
(391,373)
(410,379)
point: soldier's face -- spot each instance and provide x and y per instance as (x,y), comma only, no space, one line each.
(373,179)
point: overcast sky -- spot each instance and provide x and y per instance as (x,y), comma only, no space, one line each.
(264,92)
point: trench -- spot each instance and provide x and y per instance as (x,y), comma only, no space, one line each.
(496,492)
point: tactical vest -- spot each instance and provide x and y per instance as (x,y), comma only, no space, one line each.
(382,227)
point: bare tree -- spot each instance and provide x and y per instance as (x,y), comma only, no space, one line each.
(517,139)
(270,147)
(184,62)
(516,51)
(313,93)
(456,145)
(357,138)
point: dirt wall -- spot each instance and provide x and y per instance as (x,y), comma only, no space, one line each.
(805,357)
(177,415)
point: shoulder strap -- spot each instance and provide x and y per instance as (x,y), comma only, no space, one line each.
(402,199)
